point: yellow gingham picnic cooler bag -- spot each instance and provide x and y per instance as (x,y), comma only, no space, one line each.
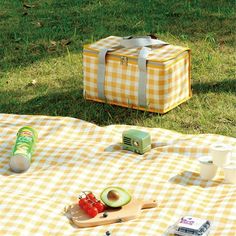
(137,72)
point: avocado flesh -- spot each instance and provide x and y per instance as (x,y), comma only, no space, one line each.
(123,197)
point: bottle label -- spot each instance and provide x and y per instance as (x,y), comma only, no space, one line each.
(25,142)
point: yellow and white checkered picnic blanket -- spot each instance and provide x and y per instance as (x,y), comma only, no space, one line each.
(73,155)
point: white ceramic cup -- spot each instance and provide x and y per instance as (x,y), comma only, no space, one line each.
(207,168)
(230,172)
(221,154)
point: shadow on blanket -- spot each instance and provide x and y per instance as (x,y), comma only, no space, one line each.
(193,178)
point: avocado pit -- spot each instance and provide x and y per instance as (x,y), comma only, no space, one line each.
(113,195)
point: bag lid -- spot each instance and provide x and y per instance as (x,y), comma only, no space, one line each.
(159,53)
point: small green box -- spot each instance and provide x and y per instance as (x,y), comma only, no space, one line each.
(136,141)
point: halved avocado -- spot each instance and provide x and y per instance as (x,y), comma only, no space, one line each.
(115,196)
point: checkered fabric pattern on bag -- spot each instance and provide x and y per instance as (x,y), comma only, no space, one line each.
(73,155)
(168,82)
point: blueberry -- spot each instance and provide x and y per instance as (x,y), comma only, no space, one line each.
(108,233)
(105,214)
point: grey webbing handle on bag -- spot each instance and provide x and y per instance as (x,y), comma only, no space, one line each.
(142,80)
(129,42)
(141,41)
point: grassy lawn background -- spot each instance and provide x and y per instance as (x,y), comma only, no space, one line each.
(41,58)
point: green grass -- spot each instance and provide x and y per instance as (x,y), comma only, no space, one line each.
(44,43)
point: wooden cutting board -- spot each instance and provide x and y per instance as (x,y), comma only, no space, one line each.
(114,215)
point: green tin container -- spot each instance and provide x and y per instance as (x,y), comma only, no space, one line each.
(23,149)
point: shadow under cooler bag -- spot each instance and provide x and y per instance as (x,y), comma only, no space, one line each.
(141,73)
